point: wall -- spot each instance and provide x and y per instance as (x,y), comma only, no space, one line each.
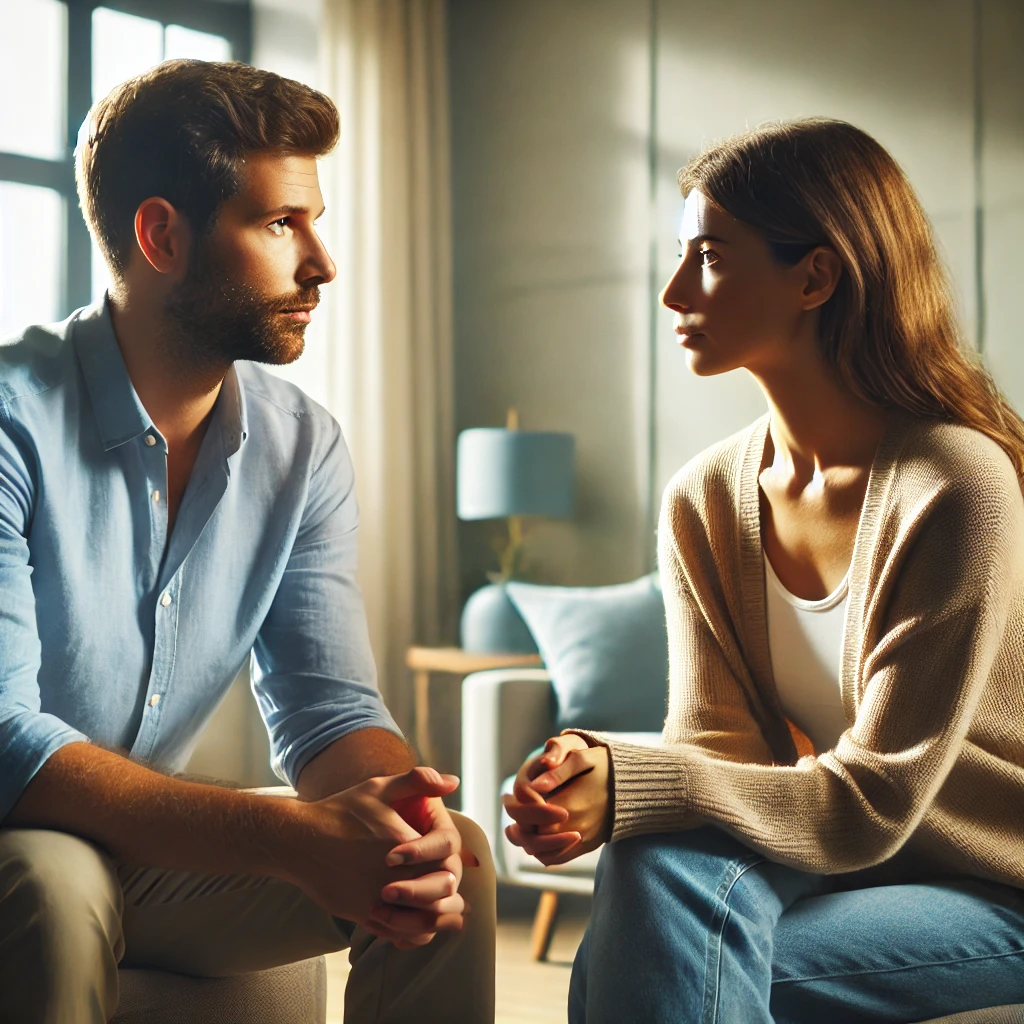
(559,254)
(551,205)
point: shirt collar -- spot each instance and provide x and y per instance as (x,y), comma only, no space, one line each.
(120,415)
(233,411)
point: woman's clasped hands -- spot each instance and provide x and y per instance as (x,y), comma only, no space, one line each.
(561,804)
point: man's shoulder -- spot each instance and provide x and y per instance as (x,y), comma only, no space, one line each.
(35,360)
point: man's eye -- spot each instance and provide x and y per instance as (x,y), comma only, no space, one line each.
(278,226)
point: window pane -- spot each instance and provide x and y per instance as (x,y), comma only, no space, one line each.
(32,43)
(187,42)
(31,255)
(122,46)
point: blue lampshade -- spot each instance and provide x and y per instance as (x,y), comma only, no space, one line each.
(514,473)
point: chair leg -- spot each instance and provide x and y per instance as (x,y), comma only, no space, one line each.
(544,924)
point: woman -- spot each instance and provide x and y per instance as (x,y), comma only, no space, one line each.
(834,826)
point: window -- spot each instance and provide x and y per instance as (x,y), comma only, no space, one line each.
(56,58)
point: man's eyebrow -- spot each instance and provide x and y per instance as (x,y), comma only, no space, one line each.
(280,211)
(700,239)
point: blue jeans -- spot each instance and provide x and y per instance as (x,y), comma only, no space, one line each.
(694,928)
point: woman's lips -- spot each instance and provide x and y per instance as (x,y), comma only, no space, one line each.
(687,336)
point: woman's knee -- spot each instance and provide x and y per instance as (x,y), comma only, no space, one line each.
(680,863)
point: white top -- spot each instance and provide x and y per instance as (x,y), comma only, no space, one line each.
(806,640)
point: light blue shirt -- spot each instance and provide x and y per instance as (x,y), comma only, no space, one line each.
(110,631)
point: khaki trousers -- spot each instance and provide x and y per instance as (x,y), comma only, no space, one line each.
(69,915)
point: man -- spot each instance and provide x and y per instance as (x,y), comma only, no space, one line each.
(166,507)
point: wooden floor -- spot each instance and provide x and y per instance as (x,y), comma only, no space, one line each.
(527,992)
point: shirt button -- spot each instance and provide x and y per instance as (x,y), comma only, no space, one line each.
(156,497)
(166,599)
(154,700)
(150,440)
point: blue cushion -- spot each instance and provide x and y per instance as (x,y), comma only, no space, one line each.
(606,650)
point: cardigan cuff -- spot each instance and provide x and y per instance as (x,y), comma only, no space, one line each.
(649,787)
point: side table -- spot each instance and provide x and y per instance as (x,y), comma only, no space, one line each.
(453,661)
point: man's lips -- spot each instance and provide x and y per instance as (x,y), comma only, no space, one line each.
(301,315)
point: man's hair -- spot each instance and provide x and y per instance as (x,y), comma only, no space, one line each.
(181,131)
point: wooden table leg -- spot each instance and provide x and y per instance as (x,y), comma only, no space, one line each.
(421,681)
(544,924)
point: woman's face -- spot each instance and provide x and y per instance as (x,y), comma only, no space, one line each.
(735,304)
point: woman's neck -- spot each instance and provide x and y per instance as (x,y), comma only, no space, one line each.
(816,422)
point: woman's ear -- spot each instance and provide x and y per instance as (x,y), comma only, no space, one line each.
(824,268)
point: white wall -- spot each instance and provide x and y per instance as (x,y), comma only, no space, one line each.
(551,206)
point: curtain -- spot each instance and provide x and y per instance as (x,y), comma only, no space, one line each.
(388,352)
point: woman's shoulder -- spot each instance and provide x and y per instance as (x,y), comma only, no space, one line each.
(954,458)
(714,474)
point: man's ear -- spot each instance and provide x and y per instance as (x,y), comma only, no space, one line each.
(824,268)
(162,234)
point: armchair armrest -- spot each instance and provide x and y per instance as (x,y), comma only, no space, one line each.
(506,713)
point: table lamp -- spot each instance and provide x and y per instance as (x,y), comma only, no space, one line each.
(508,474)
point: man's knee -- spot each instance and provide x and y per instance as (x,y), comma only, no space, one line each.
(478,865)
(56,889)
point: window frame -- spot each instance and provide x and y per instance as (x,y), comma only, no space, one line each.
(231,19)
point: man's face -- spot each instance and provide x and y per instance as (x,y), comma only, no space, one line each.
(253,281)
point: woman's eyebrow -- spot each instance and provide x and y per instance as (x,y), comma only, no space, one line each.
(700,239)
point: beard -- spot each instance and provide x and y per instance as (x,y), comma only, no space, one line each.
(214,319)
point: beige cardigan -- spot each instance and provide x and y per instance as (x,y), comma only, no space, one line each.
(932,671)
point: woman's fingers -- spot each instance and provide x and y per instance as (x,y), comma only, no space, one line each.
(575,764)
(533,843)
(534,814)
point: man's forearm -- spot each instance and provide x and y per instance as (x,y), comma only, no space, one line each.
(354,758)
(143,817)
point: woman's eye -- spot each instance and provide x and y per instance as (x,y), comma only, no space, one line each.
(708,257)
(278,226)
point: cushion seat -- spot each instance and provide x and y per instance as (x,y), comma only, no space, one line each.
(291,994)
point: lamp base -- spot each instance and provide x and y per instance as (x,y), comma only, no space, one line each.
(491,623)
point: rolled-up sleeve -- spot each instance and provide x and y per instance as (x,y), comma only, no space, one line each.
(27,735)
(314,674)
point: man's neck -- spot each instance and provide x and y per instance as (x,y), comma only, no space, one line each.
(178,396)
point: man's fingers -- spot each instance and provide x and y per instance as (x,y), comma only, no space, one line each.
(383,822)
(419,781)
(434,846)
(411,924)
(421,892)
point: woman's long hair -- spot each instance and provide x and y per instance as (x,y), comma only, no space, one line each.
(889,330)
